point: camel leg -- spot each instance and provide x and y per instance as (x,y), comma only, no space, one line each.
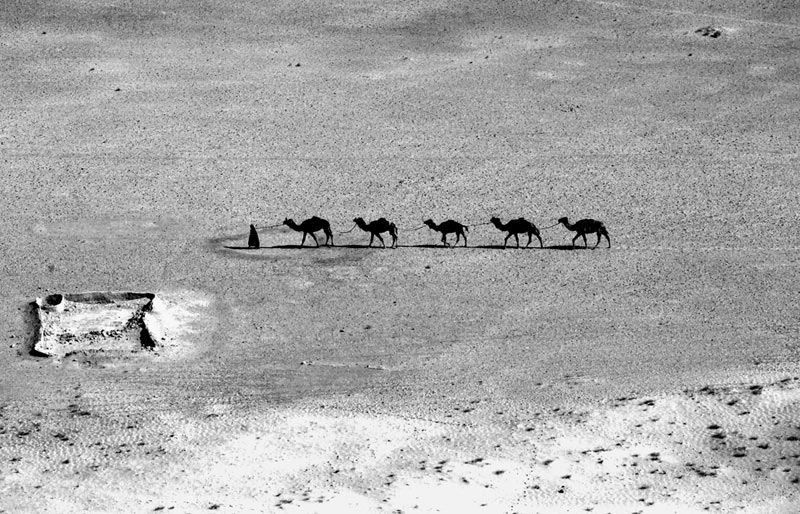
(381,240)
(314,238)
(444,239)
(394,241)
(599,235)
(529,239)
(516,238)
(465,239)
(458,238)
(573,240)
(304,240)
(607,238)
(585,243)
(371,238)
(505,243)
(541,244)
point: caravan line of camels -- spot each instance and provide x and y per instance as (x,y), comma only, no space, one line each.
(515,228)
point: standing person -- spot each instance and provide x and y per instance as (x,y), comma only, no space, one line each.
(252,241)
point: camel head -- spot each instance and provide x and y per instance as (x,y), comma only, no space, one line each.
(357,221)
(495,220)
(429,222)
(563,220)
(287,221)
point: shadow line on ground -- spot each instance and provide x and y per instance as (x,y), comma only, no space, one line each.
(366,247)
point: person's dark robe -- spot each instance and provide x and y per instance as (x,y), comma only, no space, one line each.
(252,241)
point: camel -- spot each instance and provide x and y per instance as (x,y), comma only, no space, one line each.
(309,226)
(587,226)
(449,227)
(516,227)
(375,228)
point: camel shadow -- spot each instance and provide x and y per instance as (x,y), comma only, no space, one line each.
(365,247)
(500,247)
(566,248)
(481,247)
(474,247)
(529,248)
(423,246)
(297,247)
(430,245)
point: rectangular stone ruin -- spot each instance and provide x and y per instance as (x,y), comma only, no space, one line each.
(97,322)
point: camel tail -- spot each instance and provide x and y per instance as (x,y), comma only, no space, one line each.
(393,229)
(604,232)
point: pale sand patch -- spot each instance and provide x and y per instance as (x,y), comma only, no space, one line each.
(715,449)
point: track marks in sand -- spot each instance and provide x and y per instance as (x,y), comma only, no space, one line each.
(739,19)
(78,446)
(721,448)
(715,448)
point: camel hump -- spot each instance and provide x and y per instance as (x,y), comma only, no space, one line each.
(383,220)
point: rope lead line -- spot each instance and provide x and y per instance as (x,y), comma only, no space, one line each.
(270,226)
(346,231)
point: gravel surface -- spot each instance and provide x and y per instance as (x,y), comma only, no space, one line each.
(139,140)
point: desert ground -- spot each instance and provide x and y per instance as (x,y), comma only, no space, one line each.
(140,139)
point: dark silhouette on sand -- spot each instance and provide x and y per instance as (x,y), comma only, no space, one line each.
(309,226)
(449,227)
(376,227)
(586,226)
(252,241)
(516,227)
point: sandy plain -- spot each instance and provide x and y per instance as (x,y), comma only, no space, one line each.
(139,139)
